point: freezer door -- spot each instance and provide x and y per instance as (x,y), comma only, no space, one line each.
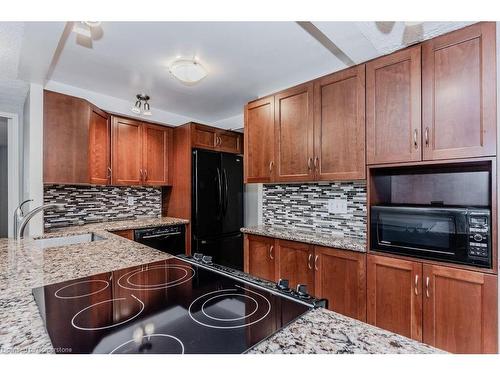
(206,194)
(227,251)
(232,193)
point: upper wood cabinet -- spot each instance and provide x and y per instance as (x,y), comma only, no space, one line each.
(208,137)
(459,93)
(393,103)
(339,125)
(157,154)
(394,295)
(259,141)
(460,310)
(340,277)
(260,257)
(76,141)
(293,124)
(296,263)
(141,153)
(99,147)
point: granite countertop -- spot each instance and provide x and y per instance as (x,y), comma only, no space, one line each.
(309,236)
(25,265)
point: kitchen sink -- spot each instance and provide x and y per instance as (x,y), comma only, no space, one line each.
(68,240)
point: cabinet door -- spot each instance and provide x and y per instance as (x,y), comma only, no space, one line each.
(99,148)
(126,152)
(203,136)
(393,96)
(341,278)
(460,310)
(157,154)
(260,257)
(296,263)
(459,93)
(394,295)
(339,125)
(294,134)
(229,142)
(259,141)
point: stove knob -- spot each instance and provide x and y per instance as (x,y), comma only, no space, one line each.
(478,237)
(302,290)
(282,284)
(206,259)
(198,256)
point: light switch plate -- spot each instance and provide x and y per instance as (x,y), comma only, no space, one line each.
(131,201)
(337,206)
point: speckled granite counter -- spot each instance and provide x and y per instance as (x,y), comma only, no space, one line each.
(322,331)
(308,236)
(24,265)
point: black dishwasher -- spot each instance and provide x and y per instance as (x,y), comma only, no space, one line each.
(169,239)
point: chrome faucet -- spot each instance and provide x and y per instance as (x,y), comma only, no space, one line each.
(22,220)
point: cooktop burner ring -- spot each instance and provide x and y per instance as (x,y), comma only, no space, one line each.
(57,292)
(148,337)
(185,278)
(226,295)
(223,295)
(110,325)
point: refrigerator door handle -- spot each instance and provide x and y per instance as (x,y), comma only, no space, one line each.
(224,176)
(219,194)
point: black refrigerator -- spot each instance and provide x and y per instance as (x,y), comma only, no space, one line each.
(217,204)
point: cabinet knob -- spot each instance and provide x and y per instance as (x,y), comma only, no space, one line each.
(316,162)
(271,165)
(109,172)
(271,248)
(415,138)
(309,258)
(316,262)
(426,136)
(309,163)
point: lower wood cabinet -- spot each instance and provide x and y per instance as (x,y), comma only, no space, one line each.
(337,275)
(126,233)
(394,295)
(296,263)
(340,277)
(260,257)
(449,308)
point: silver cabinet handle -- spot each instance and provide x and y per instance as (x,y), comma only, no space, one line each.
(271,165)
(271,252)
(145,175)
(427,287)
(316,162)
(316,262)
(427,136)
(141,173)
(309,258)
(109,173)
(415,141)
(309,163)
(416,285)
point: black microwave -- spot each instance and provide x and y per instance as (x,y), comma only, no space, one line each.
(451,234)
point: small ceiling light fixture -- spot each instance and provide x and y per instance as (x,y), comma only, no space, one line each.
(140,108)
(188,71)
(84,28)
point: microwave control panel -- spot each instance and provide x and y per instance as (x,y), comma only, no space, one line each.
(479,235)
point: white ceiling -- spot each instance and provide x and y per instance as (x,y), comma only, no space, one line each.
(245,59)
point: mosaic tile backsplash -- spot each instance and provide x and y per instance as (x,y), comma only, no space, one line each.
(90,204)
(305,206)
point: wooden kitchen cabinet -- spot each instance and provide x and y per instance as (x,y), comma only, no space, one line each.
(459,93)
(394,295)
(339,125)
(340,277)
(393,103)
(157,159)
(141,153)
(126,152)
(460,310)
(260,257)
(125,233)
(259,141)
(76,141)
(208,137)
(293,130)
(295,263)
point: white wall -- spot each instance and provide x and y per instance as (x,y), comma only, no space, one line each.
(118,106)
(33,154)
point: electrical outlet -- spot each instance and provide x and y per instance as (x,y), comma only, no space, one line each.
(337,206)
(131,201)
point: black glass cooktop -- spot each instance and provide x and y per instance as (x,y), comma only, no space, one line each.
(169,306)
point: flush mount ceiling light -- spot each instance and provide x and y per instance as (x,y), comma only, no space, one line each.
(188,71)
(139,107)
(84,28)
